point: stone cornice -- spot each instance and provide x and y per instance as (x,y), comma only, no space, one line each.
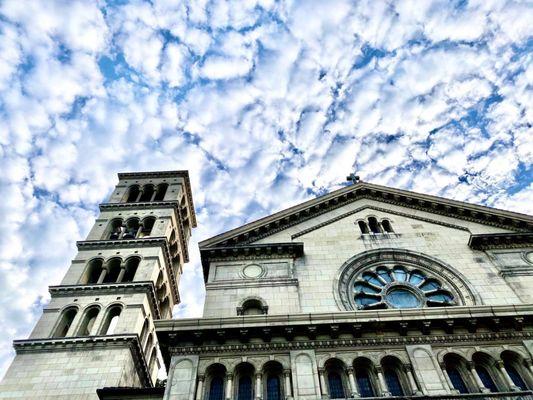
(110,288)
(437,205)
(255,250)
(501,241)
(89,343)
(388,211)
(249,283)
(167,174)
(143,242)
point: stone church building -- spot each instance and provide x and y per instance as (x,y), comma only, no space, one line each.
(368,291)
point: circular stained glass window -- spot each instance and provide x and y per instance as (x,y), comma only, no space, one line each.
(397,286)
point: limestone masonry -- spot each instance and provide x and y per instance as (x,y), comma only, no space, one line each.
(367,291)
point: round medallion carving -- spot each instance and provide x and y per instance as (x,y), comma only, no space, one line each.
(252,271)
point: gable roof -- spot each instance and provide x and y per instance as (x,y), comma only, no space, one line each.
(281,220)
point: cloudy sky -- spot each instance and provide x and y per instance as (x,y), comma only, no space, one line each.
(267,103)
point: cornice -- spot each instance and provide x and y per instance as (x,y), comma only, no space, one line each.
(110,288)
(142,242)
(388,211)
(167,174)
(255,250)
(89,343)
(501,241)
(263,227)
(251,283)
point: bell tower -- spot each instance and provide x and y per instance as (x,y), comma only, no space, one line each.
(98,329)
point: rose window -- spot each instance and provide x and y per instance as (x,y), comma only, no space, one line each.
(399,287)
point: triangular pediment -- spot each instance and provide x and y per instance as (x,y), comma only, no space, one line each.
(438,206)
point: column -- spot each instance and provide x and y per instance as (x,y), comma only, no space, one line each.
(121,273)
(530,366)
(102,276)
(229,387)
(139,196)
(258,388)
(414,387)
(477,379)
(382,383)
(351,379)
(139,230)
(288,386)
(505,374)
(323,388)
(453,390)
(200,387)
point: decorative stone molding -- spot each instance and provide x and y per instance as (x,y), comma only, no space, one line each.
(512,240)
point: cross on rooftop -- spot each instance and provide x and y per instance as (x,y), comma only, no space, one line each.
(353,178)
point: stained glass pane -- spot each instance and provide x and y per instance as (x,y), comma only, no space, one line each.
(416,277)
(393,382)
(443,297)
(363,287)
(515,376)
(400,274)
(486,378)
(364,384)
(372,279)
(402,298)
(273,388)
(216,390)
(362,300)
(457,380)
(245,388)
(336,391)
(430,285)
(384,274)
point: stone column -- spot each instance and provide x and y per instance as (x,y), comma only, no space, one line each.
(529,364)
(381,380)
(229,387)
(102,276)
(412,383)
(453,390)
(477,379)
(200,387)
(323,388)
(508,379)
(139,230)
(288,386)
(351,379)
(258,388)
(139,196)
(121,273)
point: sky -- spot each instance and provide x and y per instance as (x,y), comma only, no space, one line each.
(266,103)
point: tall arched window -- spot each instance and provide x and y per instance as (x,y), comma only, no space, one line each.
(394,375)
(147,193)
(161,191)
(115,229)
(363,377)
(514,365)
(336,390)
(111,320)
(153,358)
(387,227)
(487,371)
(273,388)
(456,379)
(216,388)
(486,378)
(273,378)
(363,227)
(132,227)
(133,194)
(458,372)
(93,271)
(374,225)
(144,331)
(147,226)
(130,269)
(87,323)
(113,270)
(244,391)
(65,322)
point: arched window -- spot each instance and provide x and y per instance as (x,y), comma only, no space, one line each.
(93,271)
(147,193)
(457,370)
(336,390)
(485,377)
(273,388)
(113,270)
(387,227)
(363,227)
(88,321)
(485,367)
(133,194)
(393,382)
(65,322)
(132,227)
(153,358)
(115,229)
(165,307)
(252,307)
(216,388)
(144,331)
(374,225)
(111,320)
(514,365)
(394,375)
(273,378)
(244,373)
(161,191)
(131,268)
(147,226)
(456,379)
(215,375)
(148,345)
(363,377)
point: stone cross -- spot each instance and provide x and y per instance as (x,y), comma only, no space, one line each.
(353,178)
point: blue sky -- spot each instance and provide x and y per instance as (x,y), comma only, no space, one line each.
(267,103)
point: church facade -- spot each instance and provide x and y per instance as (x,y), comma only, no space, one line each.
(367,291)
